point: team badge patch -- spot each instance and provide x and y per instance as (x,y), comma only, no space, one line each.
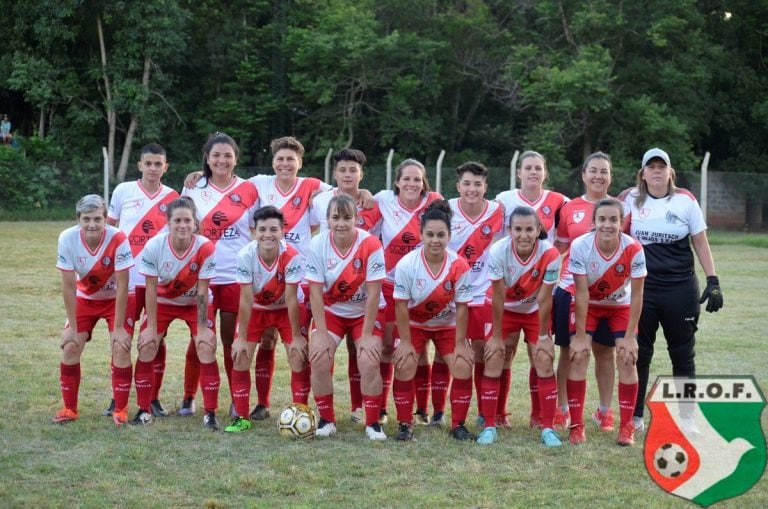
(644,212)
(235,198)
(546,210)
(578,216)
(193,266)
(420,283)
(357,263)
(163,207)
(296,201)
(619,268)
(485,230)
(448,285)
(397,215)
(106,260)
(705,442)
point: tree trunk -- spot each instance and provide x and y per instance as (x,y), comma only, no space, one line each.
(123,169)
(108,106)
(41,124)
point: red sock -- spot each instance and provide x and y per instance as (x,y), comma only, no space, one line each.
(441,379)
(403,393)
(461,397)
(191,371)
(158,366)
(489,398)
(210,381)
(325,407)
(627,398)
(387,373)
(229,365)
(145,384)
(577,393)
(262,372)
(422,383)
(355,393)
(533,388)
(121,386)
(478,378)
(547,400)
(372,406)
(241,391)
(69,379)
(505,382)
(300,384)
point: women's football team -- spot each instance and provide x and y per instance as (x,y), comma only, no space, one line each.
(386,275)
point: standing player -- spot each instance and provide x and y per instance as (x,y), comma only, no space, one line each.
(667,221)
(139,209)
(178,265)
(608,269)
(269,272)
(432,290)
(547,204)
(94,259)
(345,268)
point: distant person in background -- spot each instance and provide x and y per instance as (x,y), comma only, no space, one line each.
(667,220)
(5,130)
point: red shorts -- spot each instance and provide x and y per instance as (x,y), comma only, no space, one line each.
(528,323)
(88,312)
(616,317)
(444,339)
(136,303)
(226,298)
(167,313)
(262,319)
(387,289)
(480,322)
(338,326)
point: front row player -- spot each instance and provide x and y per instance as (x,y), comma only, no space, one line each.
(178,265)
(608,269)
(94,259)
(523,268)
(269,272)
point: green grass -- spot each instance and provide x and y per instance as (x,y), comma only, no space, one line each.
(175,463)
(732,238)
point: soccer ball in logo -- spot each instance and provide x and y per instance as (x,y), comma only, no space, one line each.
(296,421)
(670,460)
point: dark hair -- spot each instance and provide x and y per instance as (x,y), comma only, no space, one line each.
(152,148)
(183,202)
(597,155)
(438,210)
(343,203)
(412,162)
(268,212)
(525,211)
(477,169)
(349,154)
(608,202)
(288,142)
(213,140)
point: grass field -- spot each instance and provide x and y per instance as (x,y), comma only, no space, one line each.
(175,463)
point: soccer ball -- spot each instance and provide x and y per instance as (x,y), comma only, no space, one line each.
(296,421)
(670,460)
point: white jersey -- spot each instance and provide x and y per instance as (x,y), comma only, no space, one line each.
(344,276)
(178,273)
(318,214)
(471,239)
(547,207)
(522,279)
(268,281)
(95,268)
(432,297)
(294,204)
(226,218)
(609,279)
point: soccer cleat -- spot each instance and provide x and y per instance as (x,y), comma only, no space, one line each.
(535,422)
(639,424)
(374,432)
(107,412)
(260,413)
(383,417)
(438,419)
(421,418)
(157,409)
(550,438)
(325,428)
(577,435)
(562,419)
(604,421)
(462,433)
(210,422)
(64,416)
(502,421)
(487,436)
(239,424)
(358,415)
(142,418)
(187,407)
(120,417)
(626,434)
(404,432)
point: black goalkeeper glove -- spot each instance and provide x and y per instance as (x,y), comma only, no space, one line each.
(713,293)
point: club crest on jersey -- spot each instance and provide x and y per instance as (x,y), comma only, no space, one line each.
(357,263)
(162,207)
(331,263)
(235,198)
(296,201)
(705,442)
(397,215)
(672,217)
(535,273)
(619,268)
(206,195)
(167,266)
(421,283)
(360,221)
(578,216)
(106,260)
(448,286)
(644,212)
(81,260)
(137,204)
(271,198)
(193,266)
(485,230)
(546,210)
(594,267)
(511,269)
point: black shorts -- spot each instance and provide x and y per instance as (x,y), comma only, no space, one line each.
(561,309)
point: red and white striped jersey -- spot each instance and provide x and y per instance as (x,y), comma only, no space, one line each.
(95,268)
(294,205)
(432,297)
(178,273)
(268,281)
(609,279)
(400,226)
(547,207)
(226,218)
(522,279)
(575,221)
(141,216)
(472,239)
(344,276)
(318,214)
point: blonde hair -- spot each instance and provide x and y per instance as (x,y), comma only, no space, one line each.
(642,187)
